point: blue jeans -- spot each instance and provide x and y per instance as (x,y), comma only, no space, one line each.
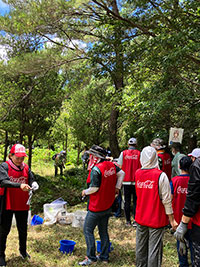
(119,200)
(183,260)
(92,220)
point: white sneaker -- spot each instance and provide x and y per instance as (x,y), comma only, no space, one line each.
(86,262)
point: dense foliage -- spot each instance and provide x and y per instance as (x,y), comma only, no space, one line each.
(129,68)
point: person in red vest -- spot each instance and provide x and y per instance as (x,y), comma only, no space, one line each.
(105,182)
(153,210)
(129,161)
(164,158)
(191,210)
(179,185)
(16,180)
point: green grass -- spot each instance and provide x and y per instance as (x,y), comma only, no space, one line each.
(43,245)
(69,187)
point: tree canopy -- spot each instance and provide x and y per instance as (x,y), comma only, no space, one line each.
(135,63)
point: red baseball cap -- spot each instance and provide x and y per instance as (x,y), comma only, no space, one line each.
(18,150)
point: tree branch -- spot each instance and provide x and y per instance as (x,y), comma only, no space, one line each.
(143,29)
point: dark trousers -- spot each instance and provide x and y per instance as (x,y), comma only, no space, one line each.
(56,170)
(183,259)
(129,190)
(92,220)
(21,221)
(119,201)
(149,246)
(196,250)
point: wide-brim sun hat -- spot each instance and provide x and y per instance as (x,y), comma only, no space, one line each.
(158,143)
(97,151)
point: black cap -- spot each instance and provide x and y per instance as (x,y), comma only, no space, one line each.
(185,163)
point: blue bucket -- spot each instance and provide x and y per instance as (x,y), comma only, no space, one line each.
(36,220)
(99,247)
(67,246)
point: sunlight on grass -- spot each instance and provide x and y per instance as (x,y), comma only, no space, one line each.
(44,169)
(43,245)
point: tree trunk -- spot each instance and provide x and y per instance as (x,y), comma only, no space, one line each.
(6,146)
(66,144)
(78,154)
(113,141)
(118,80)
(30,144)
(192,143)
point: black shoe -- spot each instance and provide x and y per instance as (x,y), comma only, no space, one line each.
(2,261)
(25,255)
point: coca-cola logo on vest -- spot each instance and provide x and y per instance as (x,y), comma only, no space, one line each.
(181,190)
(131,157)
(147,184)
(109,172)
(20,180)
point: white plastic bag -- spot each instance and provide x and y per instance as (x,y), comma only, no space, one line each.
(51,211)
(64,218)
(79,218)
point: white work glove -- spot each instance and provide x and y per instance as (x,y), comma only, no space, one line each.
(35,186)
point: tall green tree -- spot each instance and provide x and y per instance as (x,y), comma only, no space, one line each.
(153,44)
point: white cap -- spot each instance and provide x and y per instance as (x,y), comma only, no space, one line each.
(132,141)
(195,153)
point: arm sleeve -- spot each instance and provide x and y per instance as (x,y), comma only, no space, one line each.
(120,159)
(95,177)
(160,163)
(91,190)
(4,178)
(165,193)
(192,202)
(31,177)
(95,181)
(120,178)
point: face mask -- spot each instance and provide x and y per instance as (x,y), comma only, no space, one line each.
(93,161)
(173,153)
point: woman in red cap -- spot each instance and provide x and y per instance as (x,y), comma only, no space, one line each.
(16,180)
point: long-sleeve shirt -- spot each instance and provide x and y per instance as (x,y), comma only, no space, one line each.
(5,180)
(165,193)
(192,203)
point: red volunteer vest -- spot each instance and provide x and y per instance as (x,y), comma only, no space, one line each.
(150,211)
(131,162)
(105,196)
(88,178)
(180,185)
(16,198)
(166,164)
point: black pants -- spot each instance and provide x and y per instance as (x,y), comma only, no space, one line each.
(129,190)
(21,220)
(56,170)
